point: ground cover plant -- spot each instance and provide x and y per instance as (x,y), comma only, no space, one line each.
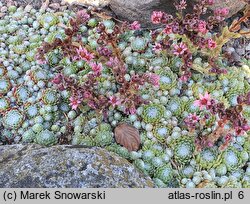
(167,99)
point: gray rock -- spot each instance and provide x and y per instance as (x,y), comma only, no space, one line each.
(66,166)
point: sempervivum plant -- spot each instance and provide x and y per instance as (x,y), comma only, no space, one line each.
(13,119)
(153,113)
(46,138)
(4,85)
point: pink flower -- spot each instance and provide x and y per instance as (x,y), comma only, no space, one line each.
(221,12)
(240,130)
(210,144)
(86,94)
(211,43)
(132,110)
(92,104)
(113,61)
(182,5)
(97,68)
(228,137)
(194,118)
(83,15)
(202,27)
(74,102)
(104,51)
(114,101)
(156,17)
(191,120)
(57,79)
(39,61)
(157,47)
(204,101)
(184,78)
(84,54)
(154,79)
(135,26)
(168,29)
(210,2)
(180,49)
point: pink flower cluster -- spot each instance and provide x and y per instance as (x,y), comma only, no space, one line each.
(114,101)
(211,44)
(203,101)
(239,123)
(210,2)
(221,12)
(202,27)
(135,25)
(191,120)
(83,15)
(182,5)
(179,49)
(97,68)
(74,102)
(84,54)
(157,48)
(168,29)
(154,79)
(156,17)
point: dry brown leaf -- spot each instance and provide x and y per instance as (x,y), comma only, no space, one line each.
(128,136)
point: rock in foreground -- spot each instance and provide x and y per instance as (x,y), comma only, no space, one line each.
(32,166)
